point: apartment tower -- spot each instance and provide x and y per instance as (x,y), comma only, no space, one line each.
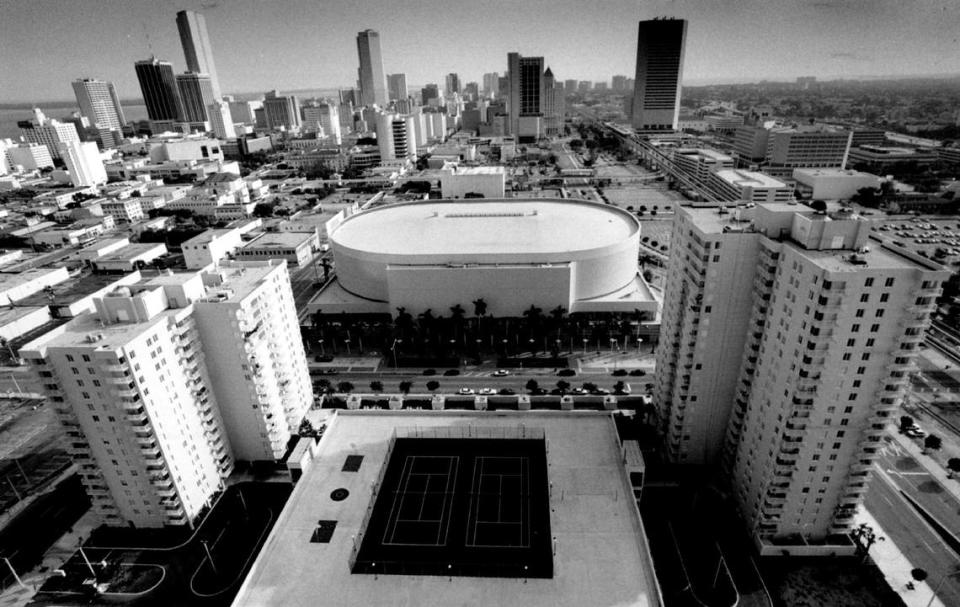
(785,346)
(98,101)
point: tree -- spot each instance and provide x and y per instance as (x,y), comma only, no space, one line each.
(865,537)
(932,442)
(406,386)
(376,386)
(479,307)
(953,465)
(345,387)
(906,422)
(563,385)
(589,386)
(819,206)
(432,385)
(263,210)
(918,574)
(532,385)
(619,387)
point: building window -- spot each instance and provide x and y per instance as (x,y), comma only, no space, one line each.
(868,282)
(888,282)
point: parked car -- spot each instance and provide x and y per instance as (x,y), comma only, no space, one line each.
(507,392)
(487,391)
(501,373)
(916,432)
(466,391)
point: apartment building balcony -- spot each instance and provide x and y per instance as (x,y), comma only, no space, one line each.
(915,321)
(137,419)
(858,490)
(79,451)
(97,491)
(922,309)
(166,492)
(786,460)
(132,407)
(861,466)
(146,441)
(162,482)
(775,504)
(789,450)
(150,451)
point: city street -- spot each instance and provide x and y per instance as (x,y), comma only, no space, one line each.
(912,535)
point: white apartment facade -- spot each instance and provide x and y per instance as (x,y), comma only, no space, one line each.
(786,342)
(700,163)
(129,384)
(84,163)
(170,380)
(248,325)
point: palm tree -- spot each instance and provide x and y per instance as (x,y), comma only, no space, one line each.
(563,385)
(376,386)
(406,386)
(432,385)
(345,387)
(532,385)
(619,387)
(479,307)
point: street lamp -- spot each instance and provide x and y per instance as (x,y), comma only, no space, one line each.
(322,352)
(639,342)
(347,342)
(585,340)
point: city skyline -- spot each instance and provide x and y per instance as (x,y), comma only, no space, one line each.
(260,49)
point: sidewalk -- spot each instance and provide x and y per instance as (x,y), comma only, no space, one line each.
(895,566)
(932,466)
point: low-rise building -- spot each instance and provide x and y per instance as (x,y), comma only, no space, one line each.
(14,287)
(80,232)
(131,257)
(210,247)
(473,182)
(123,210)
(297,248)
(832,184)
(749,186)
(879,157)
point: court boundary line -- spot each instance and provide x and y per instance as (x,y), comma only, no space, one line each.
(453,465)
(474,512)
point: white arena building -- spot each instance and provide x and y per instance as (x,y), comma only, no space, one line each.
(512,253)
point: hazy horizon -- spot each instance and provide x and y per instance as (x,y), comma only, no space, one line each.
(310,44)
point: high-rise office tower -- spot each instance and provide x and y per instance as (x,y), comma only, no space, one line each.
(346,117)
(323,115)
(170,380)
(48,132)
(281,110)
(656,89)
(196,95)
(397,85)
(159,88)
(569,86)
(525,94)
(373,89)
(242,112)
(553,104)
(221,121)
(98,101)
(452,84)
(196,47)
(787,338)
(396,137)
(429,92)
(84,163)
(491,84)
(619,84)
(471,91)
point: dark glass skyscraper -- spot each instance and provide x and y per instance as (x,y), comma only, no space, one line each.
(373,84)
(159,87)
(656,92)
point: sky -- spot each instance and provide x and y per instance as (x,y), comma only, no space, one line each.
(260,45)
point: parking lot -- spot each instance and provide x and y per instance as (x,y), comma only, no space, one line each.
(937,239)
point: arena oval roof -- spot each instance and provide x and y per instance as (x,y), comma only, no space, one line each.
(516,226)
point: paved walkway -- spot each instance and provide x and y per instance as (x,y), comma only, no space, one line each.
(952,485)
(896,568)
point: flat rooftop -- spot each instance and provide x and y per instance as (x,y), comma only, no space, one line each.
(518,226)
(209,236)
(279,240)
(600,554)
(753,179)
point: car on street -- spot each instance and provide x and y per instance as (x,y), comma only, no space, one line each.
(507,392)
(501,373)
(916,432)
(487,391)
(466,391)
